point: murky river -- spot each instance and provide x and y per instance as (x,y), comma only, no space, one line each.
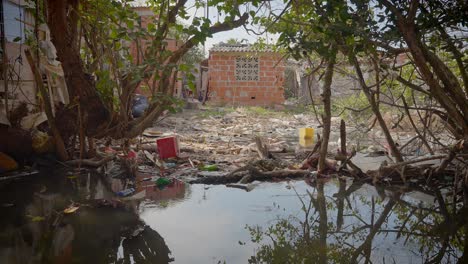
(332,221)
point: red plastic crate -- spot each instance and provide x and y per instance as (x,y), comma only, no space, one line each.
(168,147)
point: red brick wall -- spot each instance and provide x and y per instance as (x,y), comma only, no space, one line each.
(224,88)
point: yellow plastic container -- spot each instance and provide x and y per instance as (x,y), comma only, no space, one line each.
(306,136)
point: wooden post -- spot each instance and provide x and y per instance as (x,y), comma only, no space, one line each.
(326,117)
(4,60)
(343,137)
(343,140)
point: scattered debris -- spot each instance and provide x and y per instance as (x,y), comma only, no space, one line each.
(17,174)
(126,192)
(138,196)
(7,163)
(168,147)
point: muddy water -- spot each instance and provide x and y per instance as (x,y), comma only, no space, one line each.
(215,224)
(284,222)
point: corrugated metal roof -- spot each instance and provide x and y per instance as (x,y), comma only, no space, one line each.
(224,47)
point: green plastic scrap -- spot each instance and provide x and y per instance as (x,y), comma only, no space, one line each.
(212,167)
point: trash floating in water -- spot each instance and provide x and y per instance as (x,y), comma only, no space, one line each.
(126,192)
(7,163)
(138,196)
(162,182)
(36,218)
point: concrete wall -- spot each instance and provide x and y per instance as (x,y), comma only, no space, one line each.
(225,89)
(21,84)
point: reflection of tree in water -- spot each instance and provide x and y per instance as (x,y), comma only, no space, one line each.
(352,228)
(92,235)
(109,235)
(148,247)
(303,240)
(41,233)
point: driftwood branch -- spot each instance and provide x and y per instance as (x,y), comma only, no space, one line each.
(400,164)
(262,148)
(90,162)
(254,174)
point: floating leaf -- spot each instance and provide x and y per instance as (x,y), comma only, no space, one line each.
(43,189)
(36,218)
(71,209)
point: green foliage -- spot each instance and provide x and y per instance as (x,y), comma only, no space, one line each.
(109,27)
(233,41)
(170,103)
(288,241)
(216,112)
(105,86)
(258,110)
(356,101)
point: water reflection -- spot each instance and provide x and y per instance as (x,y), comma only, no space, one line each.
(341,227)
(175,191)
(35,230)
(335,221)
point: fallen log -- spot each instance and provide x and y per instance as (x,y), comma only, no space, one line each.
(404,163)
(229,178)
(254,175)
(246,188)
(445,162)
(278,174)
(16,175)
(90,162)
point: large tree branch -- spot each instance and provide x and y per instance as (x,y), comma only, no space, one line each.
(374,105)
(393,9)
(225,26)
(171,19)
(422,59)
(412,10)
(412,85)
(389,48)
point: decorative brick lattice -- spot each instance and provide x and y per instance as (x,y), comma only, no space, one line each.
(247,69)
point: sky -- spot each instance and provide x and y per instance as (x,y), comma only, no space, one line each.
(238,33)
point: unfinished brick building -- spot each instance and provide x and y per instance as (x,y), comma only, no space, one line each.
(241,75)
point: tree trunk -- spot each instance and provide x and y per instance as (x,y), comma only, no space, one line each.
(375,108)
(323,223)
(62,20)
(326,117)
